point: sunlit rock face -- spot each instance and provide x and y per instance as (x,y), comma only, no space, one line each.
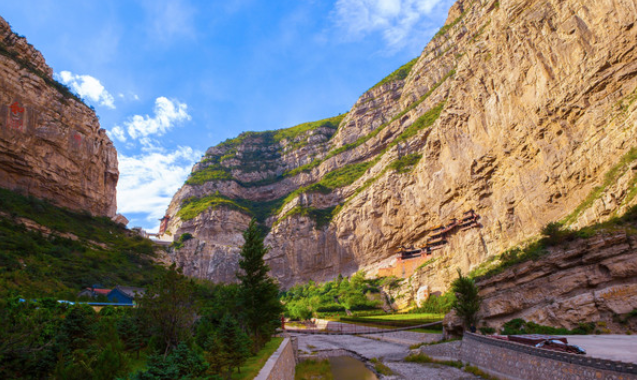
(588,280)
(51,144)
(518,109)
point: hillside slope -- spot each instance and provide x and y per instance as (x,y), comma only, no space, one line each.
(521,110)
(50,251)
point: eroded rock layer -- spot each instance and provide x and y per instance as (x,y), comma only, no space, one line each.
(51,143)
(523,111)
(589,280)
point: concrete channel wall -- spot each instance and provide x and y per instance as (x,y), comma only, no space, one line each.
(281,365)
(514,361)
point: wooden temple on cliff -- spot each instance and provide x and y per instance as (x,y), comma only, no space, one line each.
(411,257)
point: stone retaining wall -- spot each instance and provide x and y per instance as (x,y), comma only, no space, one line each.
(514,361)
(281,365)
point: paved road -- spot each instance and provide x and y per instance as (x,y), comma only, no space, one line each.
(614,347)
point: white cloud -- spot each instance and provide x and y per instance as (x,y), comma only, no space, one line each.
(399,21)
(87,87)
(167,114)
(118,133)
(148,182)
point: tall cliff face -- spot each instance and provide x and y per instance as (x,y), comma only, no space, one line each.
(51,144)
(521,110)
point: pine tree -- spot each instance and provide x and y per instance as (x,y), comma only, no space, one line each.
(235,342)
(258,293)
(169,308)
(467,303)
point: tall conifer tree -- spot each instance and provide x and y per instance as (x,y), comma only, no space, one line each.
(258,293)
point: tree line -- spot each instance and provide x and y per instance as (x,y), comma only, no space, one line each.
(181,329)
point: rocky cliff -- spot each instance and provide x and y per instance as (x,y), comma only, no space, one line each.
(588,280)
(51,143)
(523,111)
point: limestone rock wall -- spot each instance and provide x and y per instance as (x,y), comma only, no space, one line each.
(589,280)
(538,105)
(51,144)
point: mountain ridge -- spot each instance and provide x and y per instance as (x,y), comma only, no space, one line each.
(515,109)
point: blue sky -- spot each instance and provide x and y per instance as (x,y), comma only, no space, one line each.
(169,78)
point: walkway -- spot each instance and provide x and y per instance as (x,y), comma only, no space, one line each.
(392,353)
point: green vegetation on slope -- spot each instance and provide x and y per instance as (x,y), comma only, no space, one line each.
(321,217)
(445,28)
(259,159)
(260,210)
(37,264)
(192,206)
(405,164)
(424,121)
(212,172)
(553,234)
(400,73)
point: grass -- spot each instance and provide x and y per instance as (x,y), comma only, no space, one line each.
(400,74)
(260,210)
(254,364)
(192,207)
(210,173)
(409,317)
(313,370)
(99,251)
(406,163)
(422,358)
(380,367)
